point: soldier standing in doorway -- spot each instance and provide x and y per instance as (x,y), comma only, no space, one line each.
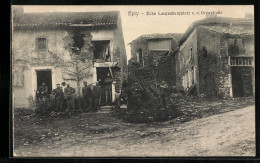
(68,93)
(87,95)
(58,92)
(43,91)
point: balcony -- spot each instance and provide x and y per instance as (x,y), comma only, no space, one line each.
(241,61)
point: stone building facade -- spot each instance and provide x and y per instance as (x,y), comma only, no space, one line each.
(216,58)
(45,44)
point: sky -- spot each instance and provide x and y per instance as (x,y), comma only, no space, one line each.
(146,22)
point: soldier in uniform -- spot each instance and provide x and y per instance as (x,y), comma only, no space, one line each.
(97,92)
(87,95)
(58,92)
(68,93)
(43,90)
(163,92)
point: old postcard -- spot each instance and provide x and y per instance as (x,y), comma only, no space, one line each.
(133,81)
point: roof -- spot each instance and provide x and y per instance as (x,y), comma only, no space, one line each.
(66,19)
(176,36)
(220,21)
(232,30)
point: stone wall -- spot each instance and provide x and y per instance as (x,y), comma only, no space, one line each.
(214,68)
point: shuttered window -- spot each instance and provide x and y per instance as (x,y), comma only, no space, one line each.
(41,43)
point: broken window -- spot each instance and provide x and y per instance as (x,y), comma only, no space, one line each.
(102,50)
(41,43)
(79,42)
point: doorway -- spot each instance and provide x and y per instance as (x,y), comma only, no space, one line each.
(44,76)
(241,81)
(103,74)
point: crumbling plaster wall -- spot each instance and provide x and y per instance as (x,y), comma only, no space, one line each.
(185,60)
(24,48)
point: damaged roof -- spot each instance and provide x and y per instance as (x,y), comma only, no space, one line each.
(66,19)
(220,22)
(176,36)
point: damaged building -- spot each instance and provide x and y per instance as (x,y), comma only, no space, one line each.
(216,58)
(155,56)
(146,48)
(66,47)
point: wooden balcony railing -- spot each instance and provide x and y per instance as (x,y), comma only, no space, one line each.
(241,61)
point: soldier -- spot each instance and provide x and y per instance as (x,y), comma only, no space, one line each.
(163,92)
(68,93)
(97,92)
(58,92)
(87,95)
(43,90)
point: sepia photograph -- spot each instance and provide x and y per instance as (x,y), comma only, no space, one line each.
(133,80)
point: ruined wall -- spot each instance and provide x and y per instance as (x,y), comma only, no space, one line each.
(140,44)
(186,58)
(214,70)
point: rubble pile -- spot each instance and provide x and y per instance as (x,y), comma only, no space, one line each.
(148,113)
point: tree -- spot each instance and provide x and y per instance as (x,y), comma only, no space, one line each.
(81,51)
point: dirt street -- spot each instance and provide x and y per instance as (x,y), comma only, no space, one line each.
(227,134)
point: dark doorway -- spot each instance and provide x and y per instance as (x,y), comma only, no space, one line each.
(103,74)
(241,81)
(44,76)
(140,53)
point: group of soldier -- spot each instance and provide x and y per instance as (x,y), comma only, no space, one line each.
(59,97)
